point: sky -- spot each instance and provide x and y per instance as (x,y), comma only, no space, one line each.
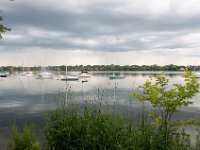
(100,32)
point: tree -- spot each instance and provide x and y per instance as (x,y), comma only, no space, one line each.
(167,100)
(2,27)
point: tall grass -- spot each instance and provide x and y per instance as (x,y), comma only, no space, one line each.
(23,140)
(90,130)
(95,130)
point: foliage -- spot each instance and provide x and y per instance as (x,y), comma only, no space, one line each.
(91,130)
(104,68)
(113,67)
(2,27)
(197,144)
(168,101)
(94,130)
(24,140)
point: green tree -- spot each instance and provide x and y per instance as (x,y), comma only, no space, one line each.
(167,100)
(2,27)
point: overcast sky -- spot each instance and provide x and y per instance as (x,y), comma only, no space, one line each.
(71,32)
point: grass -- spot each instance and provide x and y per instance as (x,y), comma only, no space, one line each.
(90,130)
(93,129)
(23,140)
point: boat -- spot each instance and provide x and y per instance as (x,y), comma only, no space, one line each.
(22,73)
(27,73)
(69,77)
(3,74)
(44,75)
(30,73)
(197,74)
(113,77)
(84,75)
(84,80)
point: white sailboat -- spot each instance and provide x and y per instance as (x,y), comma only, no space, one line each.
(113,77)
(84,75)
(197,74)
(44,75)
(3,74)
(69,77)
(27,73)
(30,73)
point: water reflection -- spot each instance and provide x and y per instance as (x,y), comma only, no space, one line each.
(19,91)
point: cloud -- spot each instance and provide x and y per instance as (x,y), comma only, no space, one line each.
(102,25)
(45,57)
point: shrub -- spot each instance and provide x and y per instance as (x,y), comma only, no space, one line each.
(168,101)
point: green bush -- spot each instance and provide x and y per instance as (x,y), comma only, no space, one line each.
(24,140)
(168,101)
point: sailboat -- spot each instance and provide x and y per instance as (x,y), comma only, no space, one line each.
(69,77)
(84,75)
(27,73)
(44,74)
(30,73)
(197,74)
(113,76)
(3,74)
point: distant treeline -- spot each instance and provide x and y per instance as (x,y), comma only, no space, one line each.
(111,67)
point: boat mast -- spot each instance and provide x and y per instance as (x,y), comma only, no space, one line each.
(66,94)
(66,71)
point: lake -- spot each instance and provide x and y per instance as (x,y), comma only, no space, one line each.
(25,99)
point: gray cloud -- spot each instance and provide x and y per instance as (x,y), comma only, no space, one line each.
(98,26)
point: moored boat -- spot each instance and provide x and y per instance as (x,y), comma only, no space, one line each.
(44,75)
(84,75)
(112,77)
(69,77)
(3,74)
(197,74)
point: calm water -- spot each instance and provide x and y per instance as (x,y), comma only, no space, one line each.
(26,99)
(28,95)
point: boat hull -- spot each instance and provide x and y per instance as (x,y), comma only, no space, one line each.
(44,77)
(3,75)
(70,79)
(115,77)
